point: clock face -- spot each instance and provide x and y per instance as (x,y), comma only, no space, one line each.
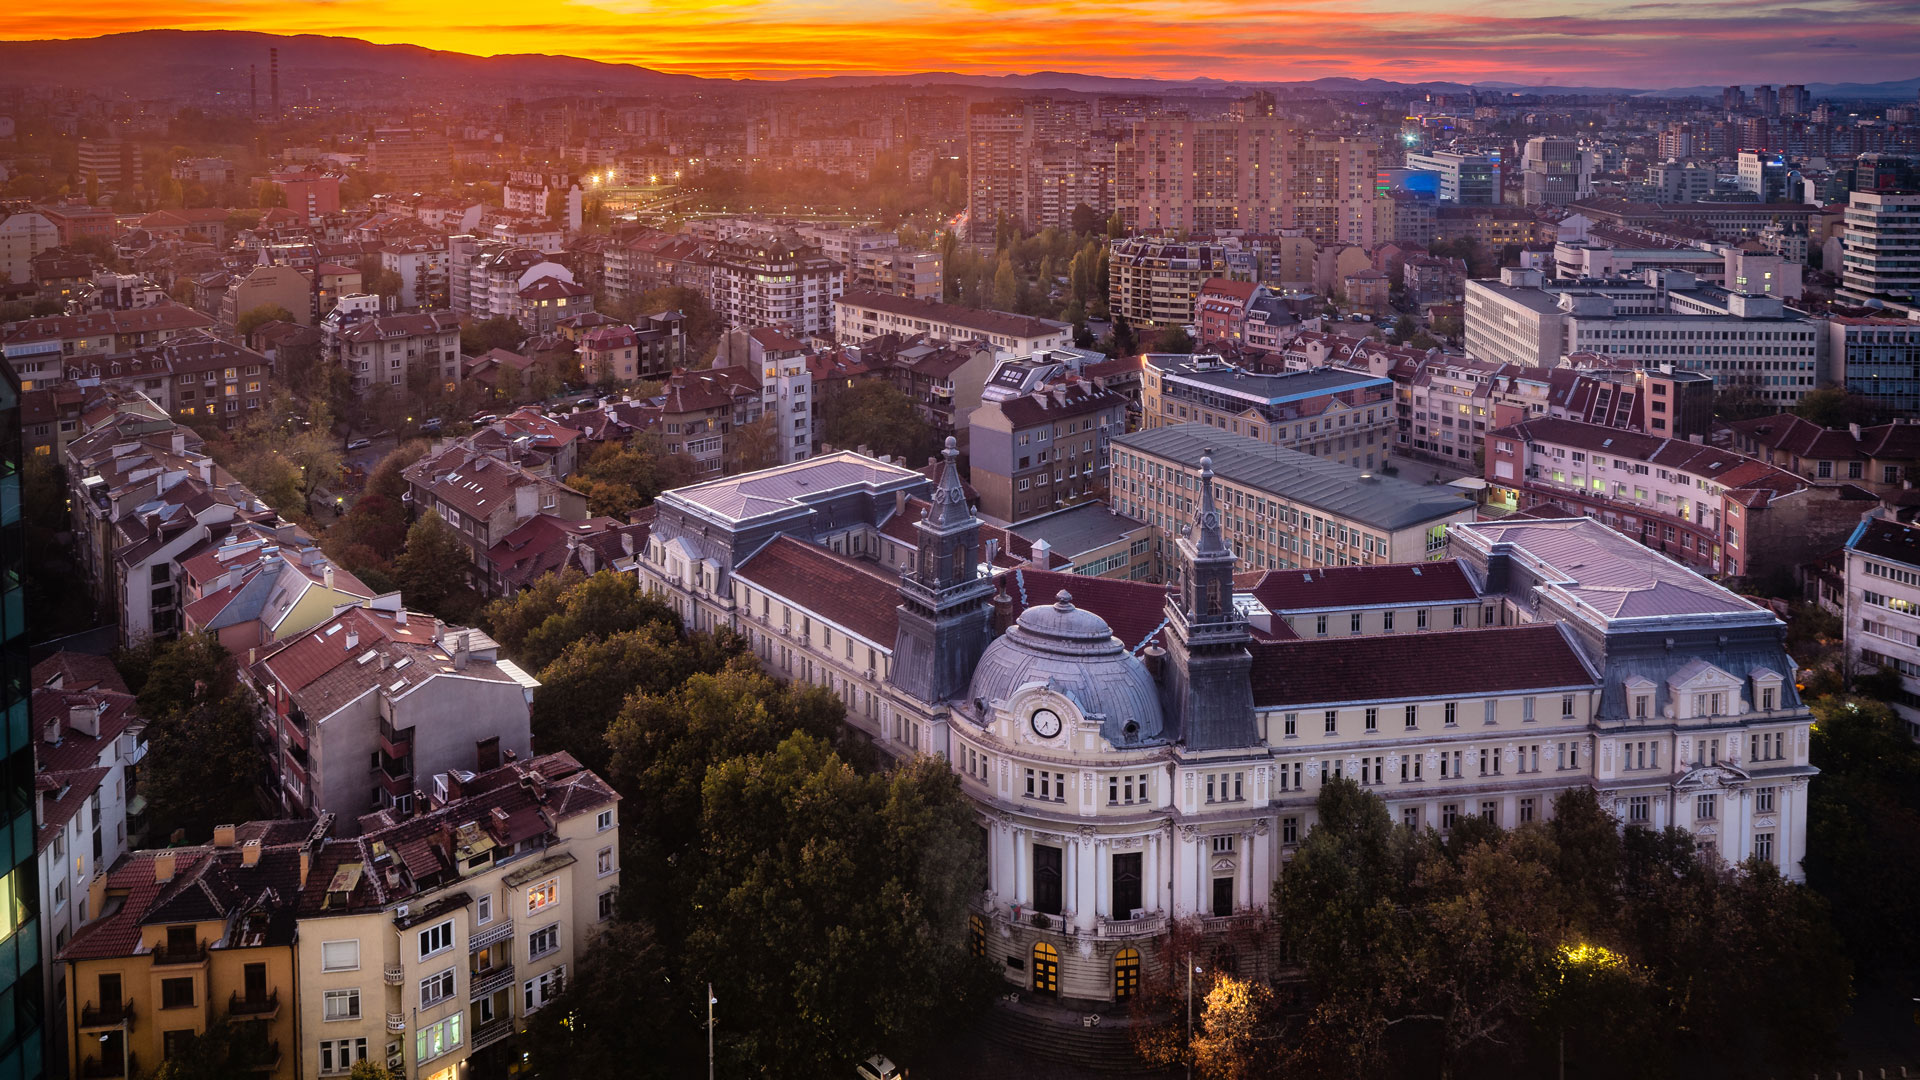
(1046,723)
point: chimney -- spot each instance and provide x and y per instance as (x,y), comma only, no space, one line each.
(353,640)
(1041,549)
(85,719)
(900,502)
(223,836)
(52,732)
(250,853)
(179,440)
(273,82)
(1005,611)
(1854,430)
(163,867)
(1156,660)
(993,549)
(326,577)
(400,617)
(306,864)
(626,542)
(460,652)
(96,890)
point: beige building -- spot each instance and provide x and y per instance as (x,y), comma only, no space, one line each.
(858,316)
(261,286)
(1260,175)
(432,937)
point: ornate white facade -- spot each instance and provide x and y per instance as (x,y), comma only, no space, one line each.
(1143,754)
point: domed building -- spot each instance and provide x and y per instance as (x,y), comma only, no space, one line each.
(1143,754)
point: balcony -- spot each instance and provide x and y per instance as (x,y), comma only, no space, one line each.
(492,1032)
(396,742)
(396,786)
(95,1067)
(500,931)
(111,1015)
(396,1022)
(395,975)
(164,954)
(490,980)
(254,1008)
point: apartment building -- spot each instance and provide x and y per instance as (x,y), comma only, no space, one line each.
(772,279)
(999,145)
(1717,511)
(1154,282)
(1283,509)
(945,382)
(267,286)
(1261,175)
(24,234)
(1880,250)
(183,937)
(1340,414)
(257,586)
(432,936)
(1044,450)
(420,349)
(483,494)
(38,349)
(402,691)
(407,157)
(859,316)
(1222,308)
(1465,179)
(422,265)
(192,375)
(911,275)
(1883,607)
(1883,458)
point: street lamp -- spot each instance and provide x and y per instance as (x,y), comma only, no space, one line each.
(1191,972)
(711,1002)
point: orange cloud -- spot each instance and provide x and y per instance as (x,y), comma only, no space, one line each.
(1614,43)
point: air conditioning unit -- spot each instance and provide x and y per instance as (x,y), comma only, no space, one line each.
(401,911)
(1137,914)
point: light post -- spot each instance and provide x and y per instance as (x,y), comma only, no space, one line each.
(1191,970)
(711,1002)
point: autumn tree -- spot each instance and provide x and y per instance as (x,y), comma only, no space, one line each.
(253,318)
(432,572)
(873,414)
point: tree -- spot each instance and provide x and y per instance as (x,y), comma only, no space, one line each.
(537,624)
(486,335)
(253,318)
(585,687)
(1173,339)
(1125,341)
(377,279)
(757,445)
(1239,1017)
(202,763)
(1086,220)
(873,414)
(620,1013)
(432,572)
(833,905)
(1833,407)
(371,1070)
(1863,830)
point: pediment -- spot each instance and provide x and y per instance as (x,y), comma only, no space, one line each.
(1698,675)
(1707,777)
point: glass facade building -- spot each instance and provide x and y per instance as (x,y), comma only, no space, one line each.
(21,1007)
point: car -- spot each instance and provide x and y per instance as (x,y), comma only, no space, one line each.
(485,418)
(432,423)
(878,1067)
(359,444)
(586,403)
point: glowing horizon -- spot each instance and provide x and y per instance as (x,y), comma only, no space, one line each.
(1649,44)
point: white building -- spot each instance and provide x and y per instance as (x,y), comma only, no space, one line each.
(1880,249)
(22,236)
(1140,756)
(1883,607)
(862,315)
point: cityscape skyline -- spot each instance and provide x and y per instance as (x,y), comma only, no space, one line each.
(1645,46)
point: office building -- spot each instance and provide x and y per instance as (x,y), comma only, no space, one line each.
(22,990)
(1465,179)
(1553,172)
(1335,413)
(1883,607)
(1880,249)
(1877,359)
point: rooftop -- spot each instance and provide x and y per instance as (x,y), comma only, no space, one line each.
(1365,586)
(1890,540)
(1079,529)
(1505,659)
(1274,389)
(1379,502)
(785,488)
(1604,572)
(975,319)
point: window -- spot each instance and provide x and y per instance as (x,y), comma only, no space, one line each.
(483,910)
(1320,625)
(1763,846)
(1290,830)
(1566,706)
(1292,725)
(1333,721)
(1526,810)
(1373,719)
(1046,879)
(1449,813)
(1763,800)
(1638,809)
(543,895)
(542,988)
(1353,623)
(1706,807)
(339,956)
(339,1055)
(1641,704)
(1413,716)
(343,1005)
(1490,812)
(434,939)
(437,1039)
(1420,619)
(603,863)
(176,993)
(608,904)
(604,821)
(435,989)
(543,941)
(1126,884)
(1386,621)
(1453,710)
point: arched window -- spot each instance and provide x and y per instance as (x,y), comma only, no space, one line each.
(976,935)
(1046,969)
(1126,973)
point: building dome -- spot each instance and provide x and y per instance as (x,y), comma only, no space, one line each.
(1074,653)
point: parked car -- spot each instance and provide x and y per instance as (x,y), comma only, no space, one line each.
(430,425)
(878,1067)
(359,444)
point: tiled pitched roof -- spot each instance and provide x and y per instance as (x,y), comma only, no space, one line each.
(1886,539)
(78,671)
(1391,667)
(975,319)
(1135,610)
(539,546)
(860,596)
(1364,586)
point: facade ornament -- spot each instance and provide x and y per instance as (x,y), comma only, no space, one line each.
(1086,832)
(1186,834)
(1261,827)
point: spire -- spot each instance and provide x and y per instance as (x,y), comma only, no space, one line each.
(949,509)
(1209,541)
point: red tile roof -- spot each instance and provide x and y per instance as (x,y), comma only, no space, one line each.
(1364,586)
(1135,610)
(78,671)
(1392,667)
(860,596)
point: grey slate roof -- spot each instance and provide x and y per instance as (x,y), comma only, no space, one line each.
(1382,502)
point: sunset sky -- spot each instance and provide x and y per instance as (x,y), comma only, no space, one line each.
(1654,44)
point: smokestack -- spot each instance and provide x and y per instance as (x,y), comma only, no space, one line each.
(273,81)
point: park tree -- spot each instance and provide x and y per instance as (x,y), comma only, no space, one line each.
(1863,830)
(202,764)
(620,1013)
(535,625)
(478,337)
(1173,339)
(588,683)
(432,572)
(873,414)
(253,318)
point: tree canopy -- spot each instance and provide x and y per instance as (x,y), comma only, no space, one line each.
(873,414)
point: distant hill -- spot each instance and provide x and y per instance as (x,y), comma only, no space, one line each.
(172,60)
